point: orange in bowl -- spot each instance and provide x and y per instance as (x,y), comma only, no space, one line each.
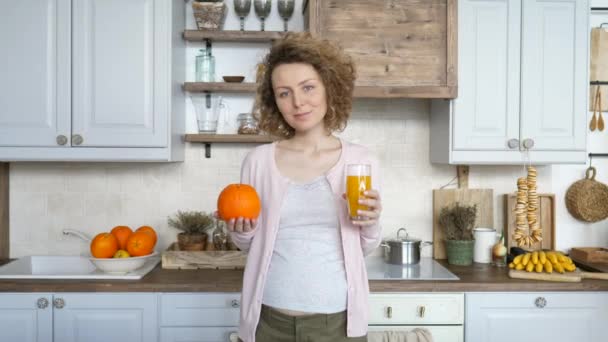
(121,233)
(140,243)
(104,245)
(149,230)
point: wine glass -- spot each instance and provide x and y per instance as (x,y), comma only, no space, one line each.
(262,9)
(286,8)
(242,9)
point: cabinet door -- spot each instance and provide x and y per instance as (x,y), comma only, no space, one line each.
(556,317)
(198,334)
(554,73)
(35,69)
(105,317)
(26,317)
(486,112)
(120,73)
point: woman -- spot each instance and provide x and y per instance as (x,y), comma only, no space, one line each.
(305,278)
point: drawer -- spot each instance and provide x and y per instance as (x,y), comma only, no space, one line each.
(205,309)
(440,333)
(416,309)
(218,334)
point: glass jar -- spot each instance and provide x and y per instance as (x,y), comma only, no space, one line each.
(205,66)
(247,124)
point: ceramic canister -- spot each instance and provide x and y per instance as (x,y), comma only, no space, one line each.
(484,240)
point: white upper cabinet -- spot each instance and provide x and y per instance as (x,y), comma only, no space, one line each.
(93,80)
(523,84)
(35,83)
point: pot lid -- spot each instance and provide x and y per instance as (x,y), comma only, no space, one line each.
(406,240)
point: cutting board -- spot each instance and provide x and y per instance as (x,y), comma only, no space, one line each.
(598,69)
(484,198)
(569,277)
(545,213)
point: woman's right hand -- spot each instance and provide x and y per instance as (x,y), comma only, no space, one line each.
(241,225)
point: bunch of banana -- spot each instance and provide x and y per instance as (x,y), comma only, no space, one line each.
(543,261)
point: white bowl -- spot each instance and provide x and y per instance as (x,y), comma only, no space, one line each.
(121,265)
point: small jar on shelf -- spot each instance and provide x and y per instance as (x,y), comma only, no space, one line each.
(247,124)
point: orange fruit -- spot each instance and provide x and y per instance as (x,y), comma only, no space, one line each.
(140,243)
(238,200)
(104,245)
(122,233)
(149,230)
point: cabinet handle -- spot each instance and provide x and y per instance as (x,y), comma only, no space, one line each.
(528,143)
(58,303)
(540,302)
(513,143)
(233,337)
(61,140)
(389,312)
(235,303)
(42,303)
(421,310)
(77,139)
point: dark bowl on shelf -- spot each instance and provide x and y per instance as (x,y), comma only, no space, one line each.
(233,79)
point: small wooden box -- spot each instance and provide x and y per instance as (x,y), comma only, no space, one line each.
(174,258)
(590,254)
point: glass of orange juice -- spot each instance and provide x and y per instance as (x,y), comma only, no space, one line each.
(358,180)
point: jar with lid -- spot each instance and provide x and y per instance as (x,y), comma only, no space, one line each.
(247,124)
(205,66)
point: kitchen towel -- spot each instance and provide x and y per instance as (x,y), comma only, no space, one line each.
(413,335)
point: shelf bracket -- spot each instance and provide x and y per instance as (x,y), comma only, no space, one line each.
(207,150)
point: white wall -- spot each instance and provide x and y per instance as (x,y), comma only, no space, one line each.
(93,197)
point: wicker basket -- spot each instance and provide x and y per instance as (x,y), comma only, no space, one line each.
(587,199)
(209,15)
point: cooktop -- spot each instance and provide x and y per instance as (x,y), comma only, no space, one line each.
(426,269)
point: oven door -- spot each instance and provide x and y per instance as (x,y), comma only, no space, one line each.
(440,333)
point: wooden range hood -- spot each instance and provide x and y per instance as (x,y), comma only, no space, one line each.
(402,48)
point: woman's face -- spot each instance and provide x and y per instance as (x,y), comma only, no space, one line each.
(300,96)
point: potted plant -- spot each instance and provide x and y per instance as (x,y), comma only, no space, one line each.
(194,226)
(458,222)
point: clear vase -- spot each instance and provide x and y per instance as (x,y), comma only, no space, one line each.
(205,66)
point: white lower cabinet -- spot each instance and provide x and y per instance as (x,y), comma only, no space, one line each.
(78,317)
(199,317)
(442,314)
(538,316)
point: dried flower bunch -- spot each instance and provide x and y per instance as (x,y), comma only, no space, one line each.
(192,222)
(458,221)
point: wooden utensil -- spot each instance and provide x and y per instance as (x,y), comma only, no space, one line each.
(545,214)
(569,277)
(593,123)
(600,121)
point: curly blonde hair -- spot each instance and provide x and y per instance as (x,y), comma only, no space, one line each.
(337,72)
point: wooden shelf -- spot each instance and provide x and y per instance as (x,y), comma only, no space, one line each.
(232,36)
(360,91)
(222,87)
(229,138)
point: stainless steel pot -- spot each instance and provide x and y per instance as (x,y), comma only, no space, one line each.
(403,250)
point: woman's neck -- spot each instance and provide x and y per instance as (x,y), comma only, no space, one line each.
(312,142)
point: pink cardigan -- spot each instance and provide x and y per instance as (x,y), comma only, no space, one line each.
(259,170)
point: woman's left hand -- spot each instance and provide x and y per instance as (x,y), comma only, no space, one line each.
(374,208)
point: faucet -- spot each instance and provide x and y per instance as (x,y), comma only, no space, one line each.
(76,233)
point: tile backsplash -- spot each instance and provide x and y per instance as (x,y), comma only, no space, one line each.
(46,198)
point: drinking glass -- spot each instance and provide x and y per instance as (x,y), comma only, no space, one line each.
(286,8)
(262,9)
(242,9)
(358,180)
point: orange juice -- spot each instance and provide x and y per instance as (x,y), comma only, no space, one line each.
(355,186)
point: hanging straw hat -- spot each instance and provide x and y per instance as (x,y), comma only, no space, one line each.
(587,199)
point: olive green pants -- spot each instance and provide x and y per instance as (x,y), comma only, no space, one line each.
(275,326)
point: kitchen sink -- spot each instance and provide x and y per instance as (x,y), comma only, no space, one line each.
(65,267)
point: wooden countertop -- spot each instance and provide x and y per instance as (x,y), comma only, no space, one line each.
(472,279)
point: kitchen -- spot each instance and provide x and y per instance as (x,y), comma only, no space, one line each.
(47,197)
